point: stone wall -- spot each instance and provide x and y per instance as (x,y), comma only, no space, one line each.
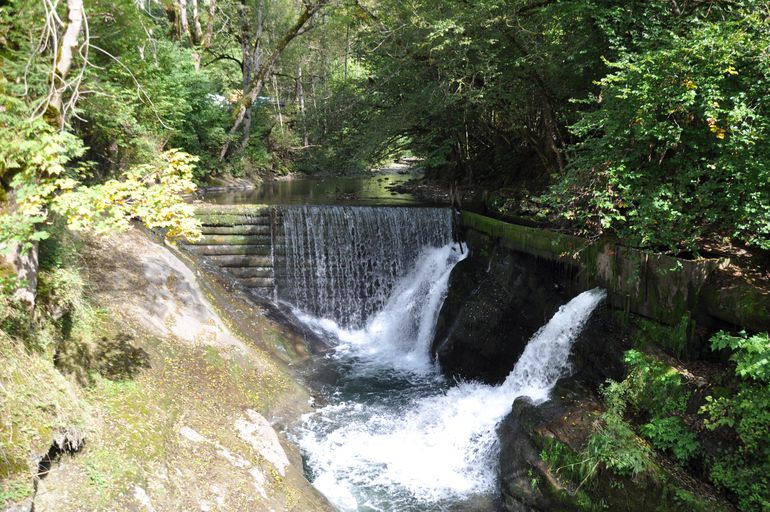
(657,286)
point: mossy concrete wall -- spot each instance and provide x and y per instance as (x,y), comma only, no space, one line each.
(656,286)
(240,239)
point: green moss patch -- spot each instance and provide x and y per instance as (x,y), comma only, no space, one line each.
(36,402)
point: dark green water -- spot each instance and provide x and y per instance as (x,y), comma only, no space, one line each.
(357,190)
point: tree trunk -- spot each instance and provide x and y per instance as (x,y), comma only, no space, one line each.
(251,56)
(64,56)
(24,265)
(278,102)
(208,35)
(196,30)
(197,37)
(184,24)
(347,52)
(21,263)
(263,73)
(301,103)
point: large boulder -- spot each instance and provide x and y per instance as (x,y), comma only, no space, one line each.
(526,481)
(497,300)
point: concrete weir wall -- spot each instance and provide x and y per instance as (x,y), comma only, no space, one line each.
(656,286)
(247,240)
(242,240)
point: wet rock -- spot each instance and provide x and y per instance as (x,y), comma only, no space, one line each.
(497,300)
(597,354)
(526,482)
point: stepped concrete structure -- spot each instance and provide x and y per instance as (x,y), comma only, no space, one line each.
(249,242)
(243,240)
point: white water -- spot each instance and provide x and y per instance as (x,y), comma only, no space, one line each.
(399,335)
(395,436)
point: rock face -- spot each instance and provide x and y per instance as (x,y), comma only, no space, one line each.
(563,426)
(526,481)
(597,354)
(194,418)
(497,300)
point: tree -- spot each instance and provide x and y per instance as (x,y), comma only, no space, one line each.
(70,41)
(477,90)
(671,148)
(192,27)
(42,168)
(260,67)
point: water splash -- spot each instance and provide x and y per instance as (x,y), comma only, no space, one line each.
(398,337)
(432,445)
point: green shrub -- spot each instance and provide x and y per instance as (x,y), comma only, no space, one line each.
(654,393)
(653,388)
(744,470)
(672,435)
(618,448)
(672,148)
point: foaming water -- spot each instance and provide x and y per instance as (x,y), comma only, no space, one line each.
(396,435)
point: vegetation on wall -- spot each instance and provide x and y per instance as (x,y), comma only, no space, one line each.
(654,413)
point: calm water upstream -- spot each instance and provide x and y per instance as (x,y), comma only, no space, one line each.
(356,190)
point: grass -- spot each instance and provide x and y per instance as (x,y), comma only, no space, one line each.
(15,490)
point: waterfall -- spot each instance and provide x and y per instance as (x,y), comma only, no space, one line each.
(343,262)
(398,337)
(426,445)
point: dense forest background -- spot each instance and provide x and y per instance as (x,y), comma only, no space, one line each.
(642,119)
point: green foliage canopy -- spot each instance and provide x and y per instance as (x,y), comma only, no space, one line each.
(674,149)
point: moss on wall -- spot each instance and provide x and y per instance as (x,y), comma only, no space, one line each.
(653,285)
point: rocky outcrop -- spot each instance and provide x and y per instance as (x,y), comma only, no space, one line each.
(497,300)
(560,429)
(199,424)
(526,481)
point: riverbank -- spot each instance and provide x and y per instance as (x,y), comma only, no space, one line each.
(172,409)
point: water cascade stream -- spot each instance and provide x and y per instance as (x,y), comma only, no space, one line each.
(342,262)
(393,433)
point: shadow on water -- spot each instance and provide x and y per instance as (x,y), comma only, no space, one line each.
(354,191)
